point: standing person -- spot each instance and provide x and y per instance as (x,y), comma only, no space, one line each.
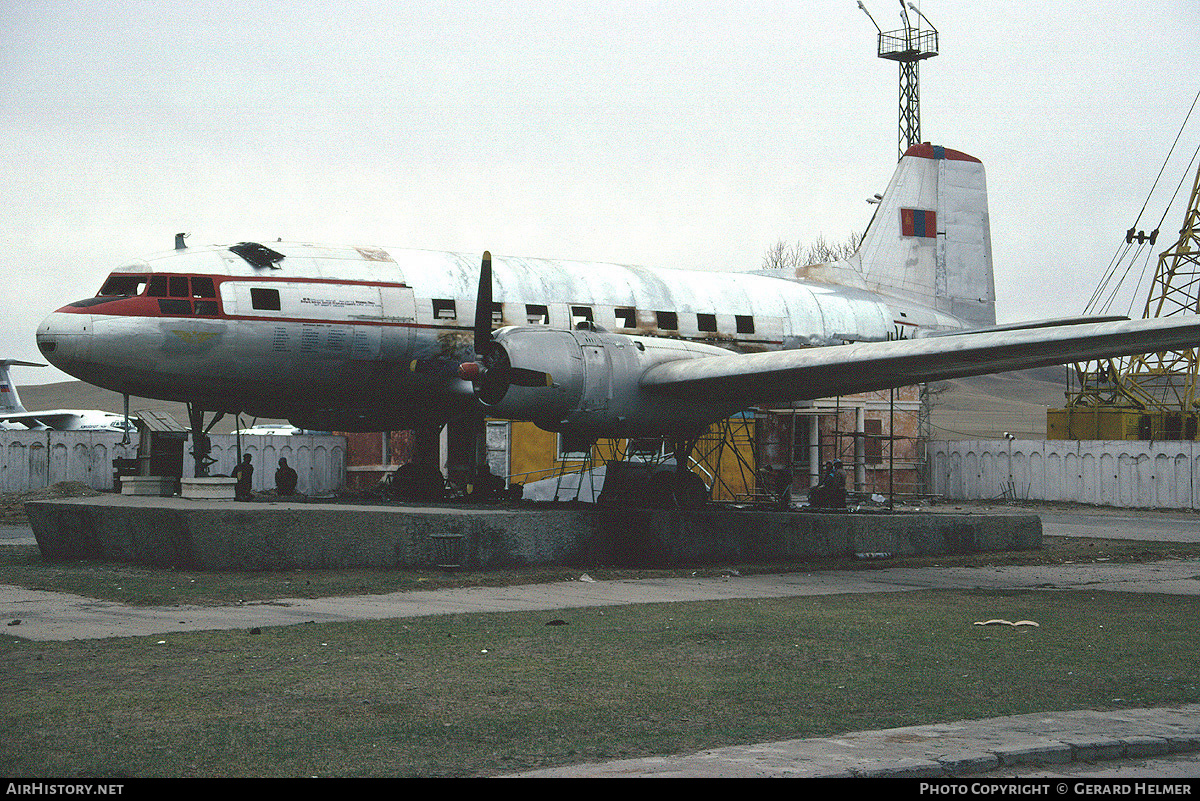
(285,479)
(244,473)
(837,486)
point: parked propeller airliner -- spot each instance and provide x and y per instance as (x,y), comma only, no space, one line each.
(371,338)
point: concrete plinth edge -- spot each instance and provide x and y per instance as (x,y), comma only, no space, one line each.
(222,535)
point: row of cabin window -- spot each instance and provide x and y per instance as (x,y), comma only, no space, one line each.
(626,317)
(538,314)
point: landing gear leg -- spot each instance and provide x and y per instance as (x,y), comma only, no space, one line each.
(201,444)
(690,490)
(679,488)
(421,479)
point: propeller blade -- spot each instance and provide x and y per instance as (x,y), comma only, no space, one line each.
(483,305)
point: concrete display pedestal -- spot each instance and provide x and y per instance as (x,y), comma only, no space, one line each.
(215,488)
(285,535)
(157,486)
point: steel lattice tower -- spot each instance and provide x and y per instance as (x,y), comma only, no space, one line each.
(908,47)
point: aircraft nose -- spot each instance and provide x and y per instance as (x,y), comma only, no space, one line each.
(65,340)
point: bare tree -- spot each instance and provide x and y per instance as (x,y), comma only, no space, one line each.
(787,256)
(780,256)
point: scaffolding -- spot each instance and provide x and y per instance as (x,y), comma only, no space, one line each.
(878,458)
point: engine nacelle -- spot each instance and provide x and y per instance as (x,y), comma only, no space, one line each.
(589,382)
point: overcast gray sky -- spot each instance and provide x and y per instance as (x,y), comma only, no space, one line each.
(666,134)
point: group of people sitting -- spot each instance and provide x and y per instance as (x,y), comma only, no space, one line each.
(829,493)
(285,478)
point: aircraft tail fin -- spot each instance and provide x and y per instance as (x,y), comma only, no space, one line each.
(930,239)
(10,401)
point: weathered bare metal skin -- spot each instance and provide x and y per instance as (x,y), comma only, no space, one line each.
(372,338)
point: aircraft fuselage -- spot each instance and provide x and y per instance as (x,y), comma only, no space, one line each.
(370,338)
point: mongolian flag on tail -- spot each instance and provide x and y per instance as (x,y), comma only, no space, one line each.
(918,222)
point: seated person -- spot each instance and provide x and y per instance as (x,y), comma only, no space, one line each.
(285,479)
(831,492)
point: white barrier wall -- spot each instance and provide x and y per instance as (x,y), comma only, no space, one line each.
(35,459)
(1121,473)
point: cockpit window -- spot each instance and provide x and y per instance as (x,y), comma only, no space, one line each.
(123,285)
(202,287)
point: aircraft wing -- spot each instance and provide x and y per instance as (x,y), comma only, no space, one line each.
(810,373)
(52,419)
(40,421)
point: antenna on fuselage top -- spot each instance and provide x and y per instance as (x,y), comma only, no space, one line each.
(179,244)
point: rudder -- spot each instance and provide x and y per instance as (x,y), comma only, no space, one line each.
(930,239)
(10,401)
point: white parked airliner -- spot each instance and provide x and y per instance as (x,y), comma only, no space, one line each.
(380,338)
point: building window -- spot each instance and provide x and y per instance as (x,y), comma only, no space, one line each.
(646,450)
(572,447)
(873,441)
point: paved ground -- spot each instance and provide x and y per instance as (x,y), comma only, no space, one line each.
(995,747)
(58,616)
(1074,520)
(1068,742)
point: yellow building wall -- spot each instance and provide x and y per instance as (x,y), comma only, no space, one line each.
(533,456)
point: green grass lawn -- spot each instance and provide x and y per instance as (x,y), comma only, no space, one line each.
(487,694)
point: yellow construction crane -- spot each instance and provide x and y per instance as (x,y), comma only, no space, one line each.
(1152,396)
(1167,381)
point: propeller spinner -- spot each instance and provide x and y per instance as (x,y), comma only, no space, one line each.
(492,373)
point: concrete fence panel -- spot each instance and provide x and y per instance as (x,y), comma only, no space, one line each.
(32,460)
(1121,473)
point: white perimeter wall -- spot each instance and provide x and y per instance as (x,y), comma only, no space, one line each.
(1123,473)
(35,459)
